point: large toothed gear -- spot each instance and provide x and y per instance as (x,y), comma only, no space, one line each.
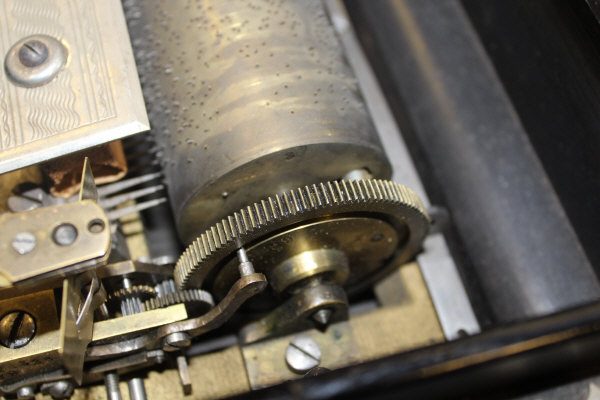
(373,222)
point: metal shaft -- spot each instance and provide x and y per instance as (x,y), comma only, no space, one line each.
(137,391)
(130,306)
(111,381)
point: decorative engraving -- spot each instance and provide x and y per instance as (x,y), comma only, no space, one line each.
(81,102)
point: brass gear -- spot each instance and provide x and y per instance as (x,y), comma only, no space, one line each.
(372,199)
(140,291)
(197,301)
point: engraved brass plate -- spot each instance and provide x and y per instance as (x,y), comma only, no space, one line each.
(95,98)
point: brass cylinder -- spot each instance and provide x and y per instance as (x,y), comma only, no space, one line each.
(247,99)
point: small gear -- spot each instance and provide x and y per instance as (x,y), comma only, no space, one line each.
(142,292)
(370,199)
(197,301)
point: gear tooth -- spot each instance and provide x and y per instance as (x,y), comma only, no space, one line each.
(344,189)
(326,198)
(376,190)
(309,198)
(389,195)
(288,204)
(370,190)
(220,233)
(201,249)
(204,240)
(317,195)
(397,191)
(303,199)
(186,296)
(239,222)
(245,222)
(232,226)
(260,214)
(226,230)
(210,238)
(273,208)
(267,211)
(295,201)
(358,187)
(339,193)
(332,194)
(251,218)
(192,255)
(364,189)
(280,206)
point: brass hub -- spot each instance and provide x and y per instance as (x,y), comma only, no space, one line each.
(341,251)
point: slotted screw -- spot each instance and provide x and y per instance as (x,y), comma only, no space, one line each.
(17,328)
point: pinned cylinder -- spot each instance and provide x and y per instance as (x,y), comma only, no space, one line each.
(247,99)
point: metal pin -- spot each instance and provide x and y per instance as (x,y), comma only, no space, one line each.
(246,268)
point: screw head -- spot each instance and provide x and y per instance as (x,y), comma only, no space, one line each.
(35,60)
(33,53)
(59,389)
(26,392)
(24,242)
(302,354)
(64,234)
(17,328)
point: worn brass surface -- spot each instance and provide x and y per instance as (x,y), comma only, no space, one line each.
(246,287)
(248,101)
(408,322)
(328,264)
(117,327)
(265,361)
(47,257)
(215,375)
(295,314)
(41,354)
(344,247)
(95,98)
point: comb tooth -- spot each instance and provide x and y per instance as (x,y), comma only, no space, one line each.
(122,198)
(116,187)
(121,212)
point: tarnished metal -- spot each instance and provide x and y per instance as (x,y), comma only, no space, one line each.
(88,249)
(248,101)
(328,264)
(371,221)
(244,288)
(17,328)
(302,354)
(295,313)
(40,355)
(266,362)
(94,98)
(77,320)
(121,326)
